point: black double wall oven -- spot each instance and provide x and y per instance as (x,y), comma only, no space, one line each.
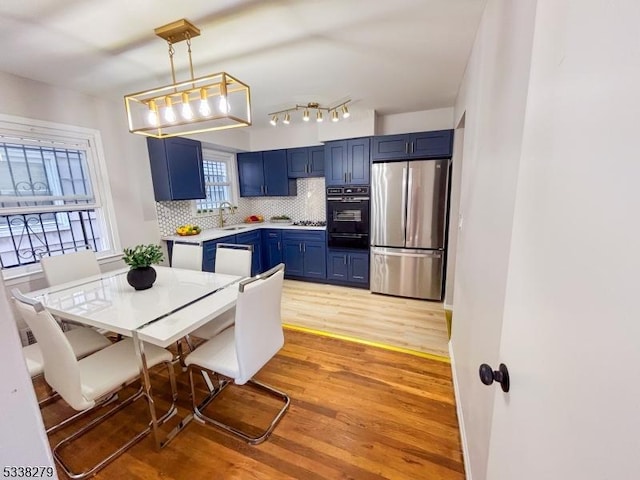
(348,217)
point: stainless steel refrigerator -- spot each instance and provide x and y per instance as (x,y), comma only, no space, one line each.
(408,227)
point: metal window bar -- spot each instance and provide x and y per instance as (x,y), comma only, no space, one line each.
(217,185)
(35,234)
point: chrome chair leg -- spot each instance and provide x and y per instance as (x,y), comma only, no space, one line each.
(198,408)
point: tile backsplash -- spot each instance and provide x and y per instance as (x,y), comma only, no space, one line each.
(309,204)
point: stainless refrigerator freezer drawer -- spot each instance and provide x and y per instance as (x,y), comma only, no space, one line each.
(407,272)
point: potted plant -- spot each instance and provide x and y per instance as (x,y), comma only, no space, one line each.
(140,258)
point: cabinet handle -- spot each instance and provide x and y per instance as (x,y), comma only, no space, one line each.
(345,177)
(279,246)
(304,247)
(262,189)
(406,147)
(411,151)
(350,177)
(266,190)
(305,169)
(345,259)
(348,260)
(310,168)
(300,247)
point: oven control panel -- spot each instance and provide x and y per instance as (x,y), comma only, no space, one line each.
(353,191)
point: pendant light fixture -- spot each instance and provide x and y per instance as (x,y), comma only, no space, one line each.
(333,112)
(214,102)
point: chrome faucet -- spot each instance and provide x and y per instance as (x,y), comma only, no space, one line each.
(231,208)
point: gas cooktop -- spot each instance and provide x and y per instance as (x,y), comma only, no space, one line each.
(310,223)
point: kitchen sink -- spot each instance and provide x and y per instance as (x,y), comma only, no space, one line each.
(233,228)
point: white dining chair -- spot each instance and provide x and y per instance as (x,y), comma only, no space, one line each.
(69,266)
(232,259)
(92,381)
(60,269)
(239,352)
(187,256)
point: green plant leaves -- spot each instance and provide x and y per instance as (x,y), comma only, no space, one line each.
(142,255)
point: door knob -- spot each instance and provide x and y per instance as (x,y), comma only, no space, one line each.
(488,375)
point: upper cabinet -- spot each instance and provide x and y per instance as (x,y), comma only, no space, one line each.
(305,162)
(264,174)
(347,162)
(176,168)
(436,144)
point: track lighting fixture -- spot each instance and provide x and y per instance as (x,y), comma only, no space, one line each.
(333,111)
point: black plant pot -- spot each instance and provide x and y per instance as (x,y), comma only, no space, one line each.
(141,278)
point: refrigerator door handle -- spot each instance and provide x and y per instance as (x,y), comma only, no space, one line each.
(403,217)
(411,232)
(406,254)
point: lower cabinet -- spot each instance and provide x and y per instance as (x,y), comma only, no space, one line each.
(304,253)
(348,267)
(209,252)
(253,238)
(271,248)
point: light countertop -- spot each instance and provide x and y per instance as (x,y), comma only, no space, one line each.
(214,233)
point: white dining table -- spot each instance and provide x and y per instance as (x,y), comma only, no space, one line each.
(179,302)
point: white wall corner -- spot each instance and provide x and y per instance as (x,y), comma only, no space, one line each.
(421,121)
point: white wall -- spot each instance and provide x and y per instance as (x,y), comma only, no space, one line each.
(571,328)
(422,121)
(493,99)
(23,440)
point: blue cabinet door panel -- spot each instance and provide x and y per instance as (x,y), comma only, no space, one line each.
(358,161)
(432,144)
(176,168)
(337,266)
(298,162)
(251,174)
(335,166)
(359,268)
(293,258)
(390,147)
(276,182)
(316,162)
(315,261)
(271,248)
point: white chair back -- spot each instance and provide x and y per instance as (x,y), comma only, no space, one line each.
(187,256)
(233,259)
(258,329)
(69,267)
(61,370)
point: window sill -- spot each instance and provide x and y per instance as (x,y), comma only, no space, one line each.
(11,278)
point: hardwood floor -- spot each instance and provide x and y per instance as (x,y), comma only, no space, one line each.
(357,412)
(402,322)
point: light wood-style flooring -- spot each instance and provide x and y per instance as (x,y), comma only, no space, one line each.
(402,322)
(357,412)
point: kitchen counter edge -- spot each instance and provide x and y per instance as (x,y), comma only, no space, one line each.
(215,233)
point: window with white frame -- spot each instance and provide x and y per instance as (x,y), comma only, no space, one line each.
(219,171)
(51,193)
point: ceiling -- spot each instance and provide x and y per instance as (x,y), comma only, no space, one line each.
(389,56)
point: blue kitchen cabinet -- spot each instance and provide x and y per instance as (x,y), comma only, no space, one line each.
(176,168)
(209,251)
(436,144)
(347,162)
(304,253)
(253,238)
(348,267)
(272,248)
(305,162)
(264,174)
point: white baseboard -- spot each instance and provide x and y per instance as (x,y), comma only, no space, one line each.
(448,307)
(463,434)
